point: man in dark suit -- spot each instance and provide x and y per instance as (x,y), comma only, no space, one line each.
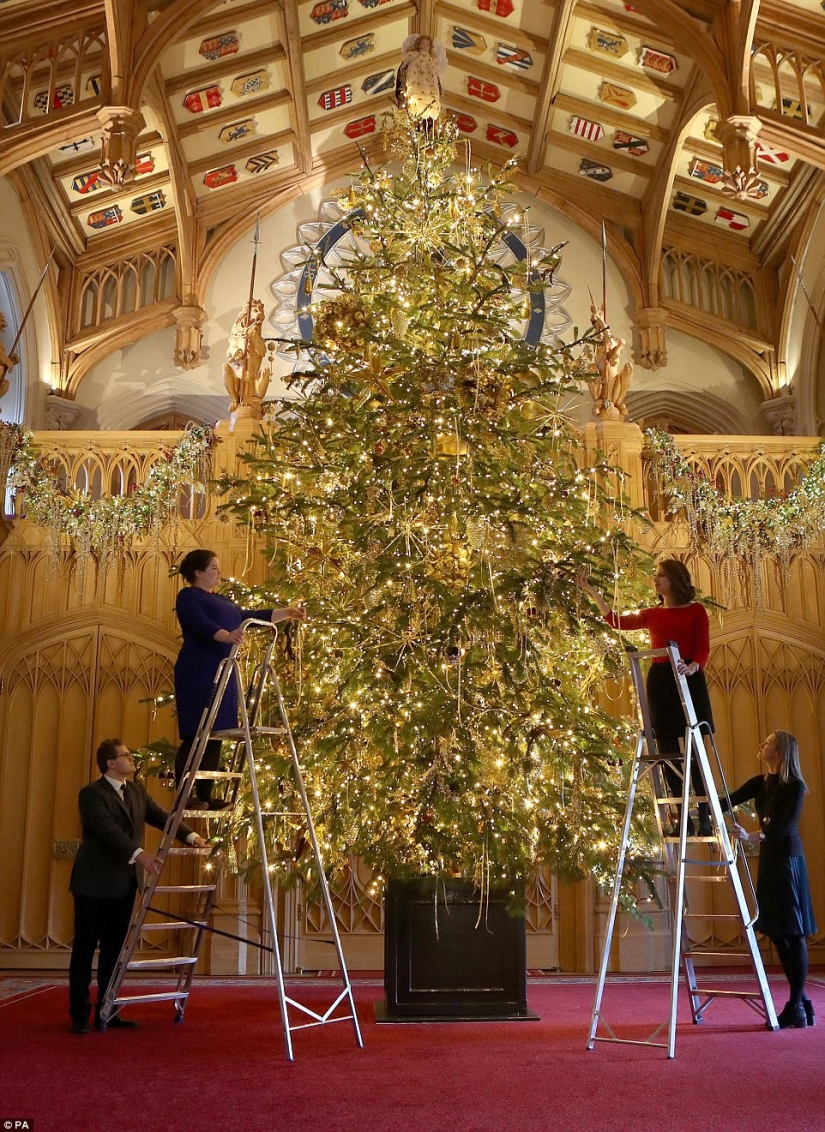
(113,814)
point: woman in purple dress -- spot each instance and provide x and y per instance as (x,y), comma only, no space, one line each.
(210,624)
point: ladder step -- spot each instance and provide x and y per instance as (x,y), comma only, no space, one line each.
(185,887)
(726,993)
(160,964)
(690,837)
(189,851)
(217,775)
(172,926)
(207,814)
(164,996)
(239,733)
(709,953)
(710,877)
(712,916)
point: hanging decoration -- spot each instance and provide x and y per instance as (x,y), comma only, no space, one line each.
(103,529)
(738,533)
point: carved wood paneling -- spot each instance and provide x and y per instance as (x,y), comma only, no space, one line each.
(81,654)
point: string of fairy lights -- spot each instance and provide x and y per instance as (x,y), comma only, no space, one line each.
(423,492)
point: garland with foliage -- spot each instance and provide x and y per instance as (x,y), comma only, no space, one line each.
(103,529)
(740,531)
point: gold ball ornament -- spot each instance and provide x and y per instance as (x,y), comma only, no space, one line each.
(341,323)
(450,562)
(400,321)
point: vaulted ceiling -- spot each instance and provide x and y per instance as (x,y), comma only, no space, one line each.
(151,132)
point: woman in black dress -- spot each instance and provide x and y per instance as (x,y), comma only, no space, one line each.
(786,914)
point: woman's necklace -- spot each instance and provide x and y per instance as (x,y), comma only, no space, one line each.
(771,784)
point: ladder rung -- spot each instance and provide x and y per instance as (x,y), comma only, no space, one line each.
(711,916)
(215,775)
(189,850)
(224,813)
(172,925)
(163,996)
(690,837)
(185,887)
(710,953)
(159,964)
(727,993)
(239,733)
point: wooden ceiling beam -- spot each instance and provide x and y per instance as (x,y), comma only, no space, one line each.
(89,159)
(180,187)
(24,28)
(684,234)
(597,202)
(560,33)
(297,83)
(121,31)
(775,232)
(171,23)
(228,19)
(790,27)
(51,209)
(29,140)
(782,132)
(113,245)
(656,197)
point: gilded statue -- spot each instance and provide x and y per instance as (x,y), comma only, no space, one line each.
(609,389)
(248,371)
(7,362)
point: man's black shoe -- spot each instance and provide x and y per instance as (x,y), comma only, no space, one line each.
(80,1027)
(115,1023)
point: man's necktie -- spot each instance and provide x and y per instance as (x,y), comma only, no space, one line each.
(127,801)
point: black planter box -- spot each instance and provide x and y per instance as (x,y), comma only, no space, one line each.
(447,969)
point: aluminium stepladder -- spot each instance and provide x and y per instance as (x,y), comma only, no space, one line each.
(722,863)
(182,967)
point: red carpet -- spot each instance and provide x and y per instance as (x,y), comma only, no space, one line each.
(224,1069)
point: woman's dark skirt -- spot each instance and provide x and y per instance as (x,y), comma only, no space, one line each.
(784,896)
(666,711)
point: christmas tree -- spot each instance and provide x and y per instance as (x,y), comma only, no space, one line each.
(422,491)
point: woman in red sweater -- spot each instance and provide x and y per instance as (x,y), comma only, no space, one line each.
(679,618)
